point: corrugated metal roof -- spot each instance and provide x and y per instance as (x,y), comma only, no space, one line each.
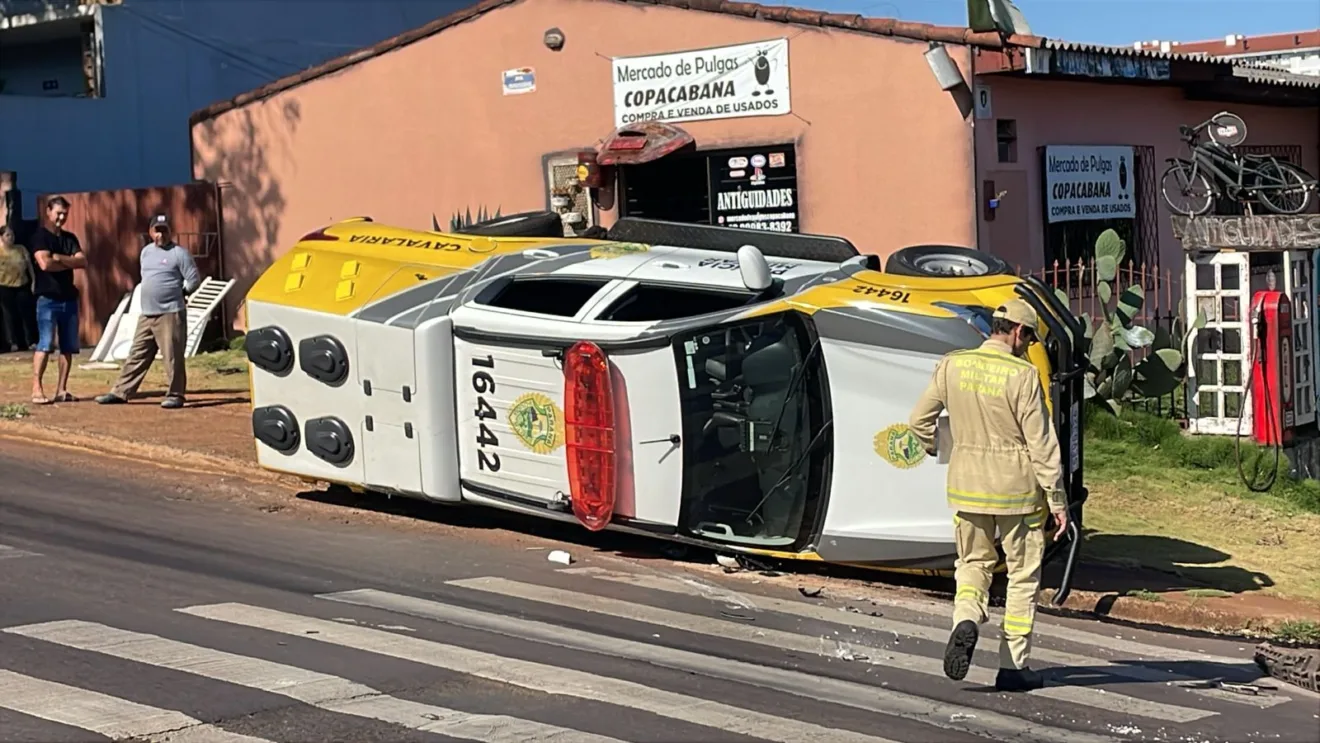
(1123,51)
(1273,76)
(1267,72)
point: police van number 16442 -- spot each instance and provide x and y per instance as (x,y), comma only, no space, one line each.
(484,384)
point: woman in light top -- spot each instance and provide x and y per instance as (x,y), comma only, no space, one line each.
(15,290)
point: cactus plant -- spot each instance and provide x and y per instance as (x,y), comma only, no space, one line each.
(464,219)
(1112,378)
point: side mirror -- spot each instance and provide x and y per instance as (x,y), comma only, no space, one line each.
(754,269)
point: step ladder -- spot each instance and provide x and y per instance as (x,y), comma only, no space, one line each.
(117,340)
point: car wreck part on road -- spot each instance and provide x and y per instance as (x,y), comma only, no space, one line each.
(744,395)
(1297,666)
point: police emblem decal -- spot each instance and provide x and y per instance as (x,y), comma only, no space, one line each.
(537,422)
(899,446)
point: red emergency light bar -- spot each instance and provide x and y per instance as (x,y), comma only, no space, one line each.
(589,434)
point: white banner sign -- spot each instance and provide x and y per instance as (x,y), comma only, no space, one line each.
(1089,182)
(724,83)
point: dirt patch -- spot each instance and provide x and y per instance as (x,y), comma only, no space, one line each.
(216,420)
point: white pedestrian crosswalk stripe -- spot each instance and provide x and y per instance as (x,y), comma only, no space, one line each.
(901,630)
(9,553)
(819,688)
(1069,722)
(106,715)
(529,675)
(731,630)
(327,692)
(1127,648)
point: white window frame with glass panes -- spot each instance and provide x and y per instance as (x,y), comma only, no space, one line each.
(1213,403)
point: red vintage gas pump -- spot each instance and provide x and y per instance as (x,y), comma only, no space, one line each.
(1272,368)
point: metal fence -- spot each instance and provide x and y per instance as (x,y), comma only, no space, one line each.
(1076,279)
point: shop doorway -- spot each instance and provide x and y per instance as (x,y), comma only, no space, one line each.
(748,187)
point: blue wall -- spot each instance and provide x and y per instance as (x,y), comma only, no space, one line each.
(164,59)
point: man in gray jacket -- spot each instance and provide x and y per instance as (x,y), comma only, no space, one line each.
(168,276)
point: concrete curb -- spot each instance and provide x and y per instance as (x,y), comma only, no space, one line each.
(184,460)
(1216,616)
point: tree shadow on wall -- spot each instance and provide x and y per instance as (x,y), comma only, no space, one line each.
(236,151)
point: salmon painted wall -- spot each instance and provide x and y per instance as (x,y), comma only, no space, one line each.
(1065,113)
(884,155)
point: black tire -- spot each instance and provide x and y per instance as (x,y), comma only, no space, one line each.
(945,260)
(1292,178)
(523,224)
(1183,184)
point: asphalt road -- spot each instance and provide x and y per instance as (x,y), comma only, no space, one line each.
(136,610)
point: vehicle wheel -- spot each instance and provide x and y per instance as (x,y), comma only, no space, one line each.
(523,224)
(1283,188)
(1186,193)
(945,260)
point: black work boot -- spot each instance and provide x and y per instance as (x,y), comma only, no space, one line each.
(1025,679)
(958,653)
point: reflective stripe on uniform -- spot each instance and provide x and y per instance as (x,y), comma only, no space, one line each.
(1034,520)
(1014,625)
(997,357)
(992,500)
(970,592)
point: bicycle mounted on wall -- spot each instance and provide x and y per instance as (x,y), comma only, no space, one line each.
(1278,185)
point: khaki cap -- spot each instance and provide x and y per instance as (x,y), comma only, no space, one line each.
(1017,311)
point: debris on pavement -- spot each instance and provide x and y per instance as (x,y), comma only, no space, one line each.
(561,557)
(960,716)
(811,594)
(728,562)
(843,652)
(1237,688)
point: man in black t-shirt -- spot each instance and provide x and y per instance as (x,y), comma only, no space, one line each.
(55,255)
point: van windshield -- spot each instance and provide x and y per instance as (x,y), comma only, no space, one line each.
(754,407)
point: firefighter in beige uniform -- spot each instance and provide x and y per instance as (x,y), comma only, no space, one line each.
(1005,458)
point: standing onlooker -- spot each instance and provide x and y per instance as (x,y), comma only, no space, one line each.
(57,253)
(168,276)
(15,279)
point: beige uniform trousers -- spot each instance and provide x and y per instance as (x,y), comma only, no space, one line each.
(1023,539)
(166,333)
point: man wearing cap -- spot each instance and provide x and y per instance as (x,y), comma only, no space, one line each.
(1004,471)
(168,276)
